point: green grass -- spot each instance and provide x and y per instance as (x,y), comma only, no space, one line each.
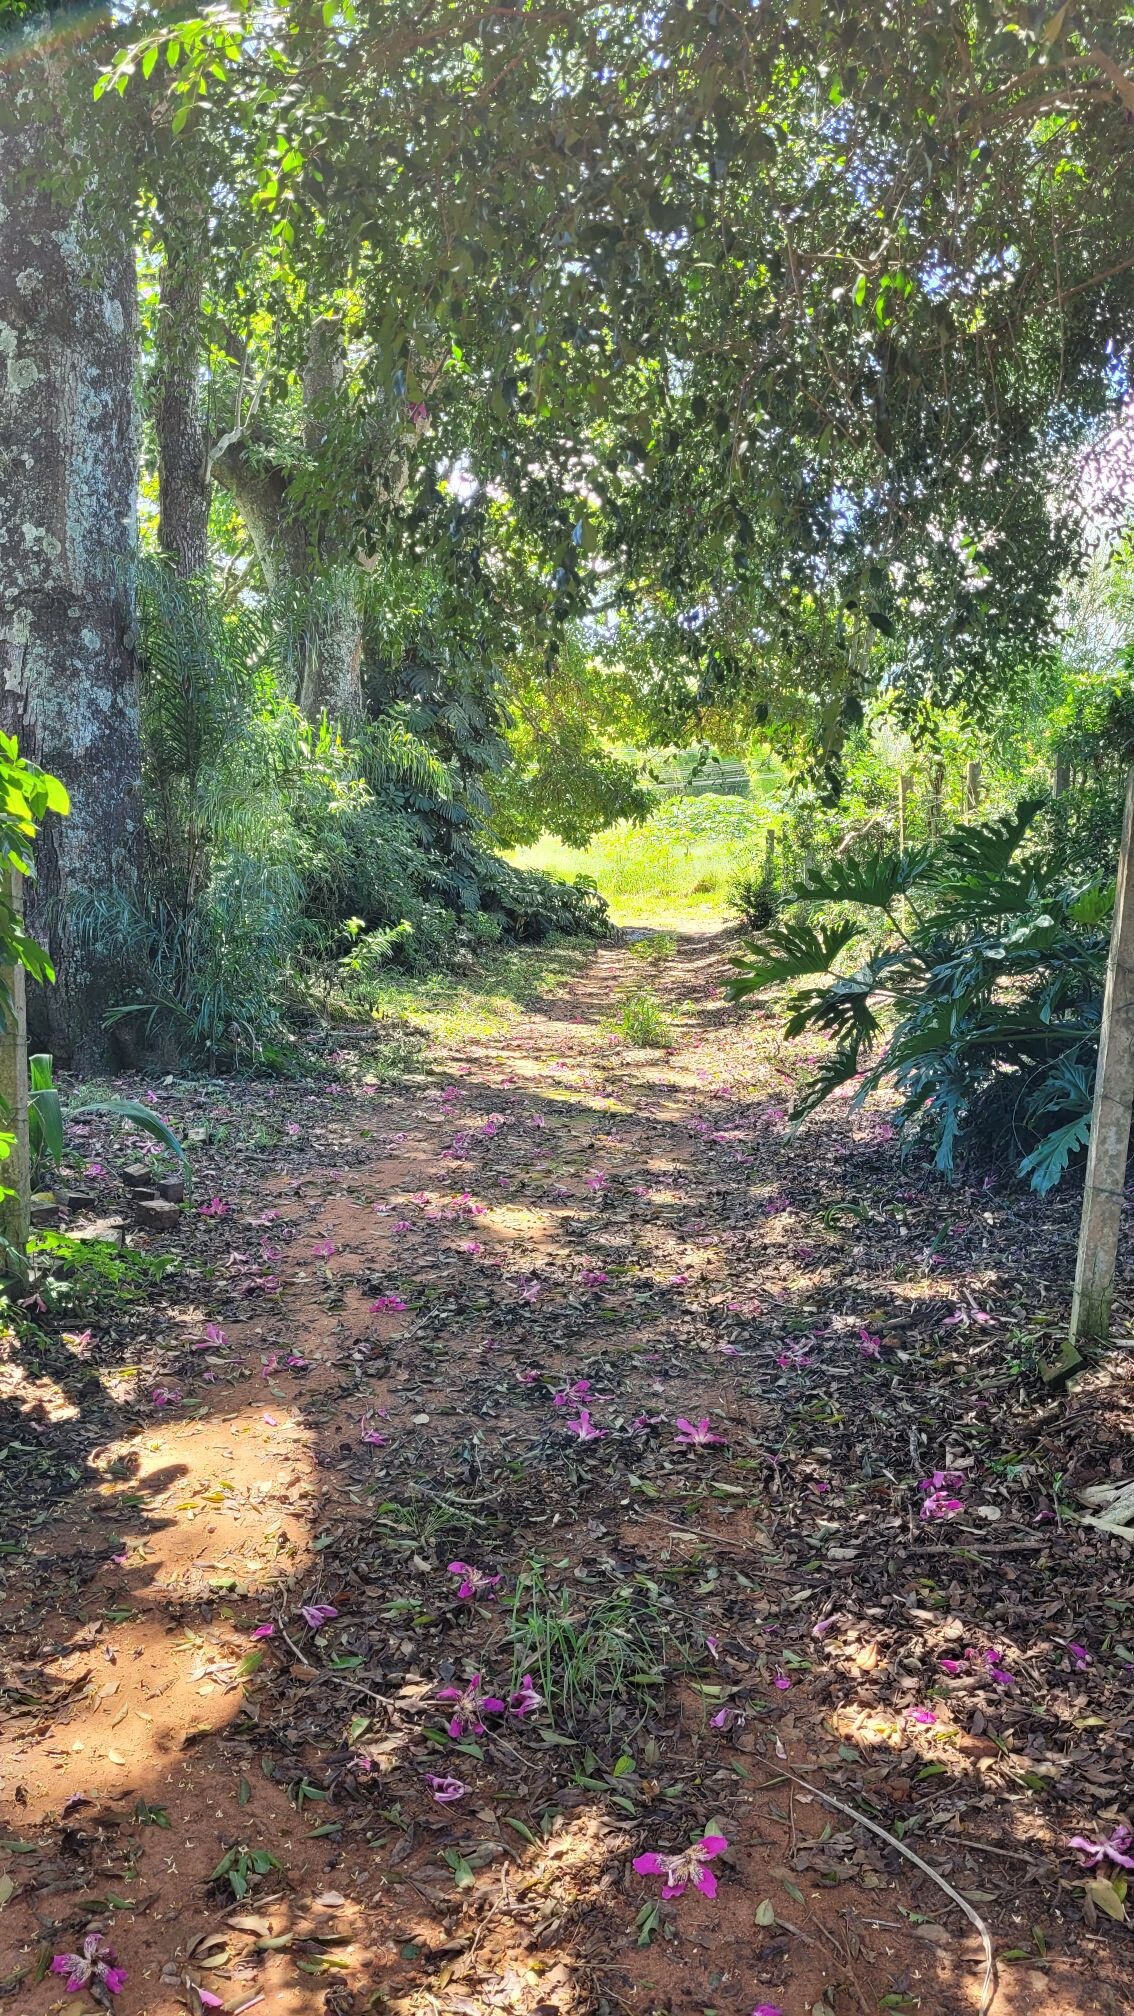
(584,1658)
(450,1007)
(659,946)
(644,1022)
(678,864)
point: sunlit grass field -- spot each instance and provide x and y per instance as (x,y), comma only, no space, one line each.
(677,866)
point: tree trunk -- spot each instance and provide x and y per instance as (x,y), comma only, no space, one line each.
(68,472)
(324,584)
(331,669)
(182,449)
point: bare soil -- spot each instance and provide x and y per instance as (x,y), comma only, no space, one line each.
(447,1261)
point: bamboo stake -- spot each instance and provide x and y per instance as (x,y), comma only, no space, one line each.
(15,1173)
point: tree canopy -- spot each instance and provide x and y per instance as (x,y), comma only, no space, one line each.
(775,330)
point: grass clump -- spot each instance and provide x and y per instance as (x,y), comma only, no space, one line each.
(585,1658)
(644,1022)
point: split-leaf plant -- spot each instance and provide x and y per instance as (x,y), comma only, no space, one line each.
(957,974)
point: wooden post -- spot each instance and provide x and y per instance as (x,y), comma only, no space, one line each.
(769,857)
(1110,1115)
(936,798)
(972,786)
(905,786)
(15,1173)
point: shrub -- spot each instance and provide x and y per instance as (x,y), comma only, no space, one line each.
(988,979)
(753,898)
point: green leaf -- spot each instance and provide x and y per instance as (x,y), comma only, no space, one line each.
(1046,1164)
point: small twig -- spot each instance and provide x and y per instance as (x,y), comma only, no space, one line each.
(990,1983)
(341,1679)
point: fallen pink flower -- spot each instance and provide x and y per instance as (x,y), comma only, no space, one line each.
(767,2009)
(215,1208)
(445,1790)
(579,1390)
(470,1703)
(594,1277)
(585,1428)
(317,1614)
(1114,1849)
(681,1870)
(93,1966)
(869,1345)
(923,1715)
(165,1396)
(694,1434)
(474,1581)
(322,1249)
(939,1506)
(523,1699)
(782,1682)
(527,1377)
(388,1302)
(264,1631)
(1080,1657)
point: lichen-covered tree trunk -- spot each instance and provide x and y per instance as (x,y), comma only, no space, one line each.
(68,469)
(179,423)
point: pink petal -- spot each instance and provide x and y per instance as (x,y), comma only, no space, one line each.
(707,1883)
(652,1865)
(713,1844)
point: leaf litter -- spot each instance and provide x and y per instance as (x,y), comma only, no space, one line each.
(711,1492)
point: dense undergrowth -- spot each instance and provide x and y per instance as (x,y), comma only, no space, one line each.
(290,865)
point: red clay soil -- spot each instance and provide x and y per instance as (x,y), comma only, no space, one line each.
(422,1299)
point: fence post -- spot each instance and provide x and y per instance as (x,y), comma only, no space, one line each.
(905,786)
(972,786)
(936,796)
(1110,1115)
(15,1173)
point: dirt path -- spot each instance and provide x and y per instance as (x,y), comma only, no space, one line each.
(421,1302)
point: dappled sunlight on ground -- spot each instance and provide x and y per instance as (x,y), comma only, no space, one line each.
(418,1298)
